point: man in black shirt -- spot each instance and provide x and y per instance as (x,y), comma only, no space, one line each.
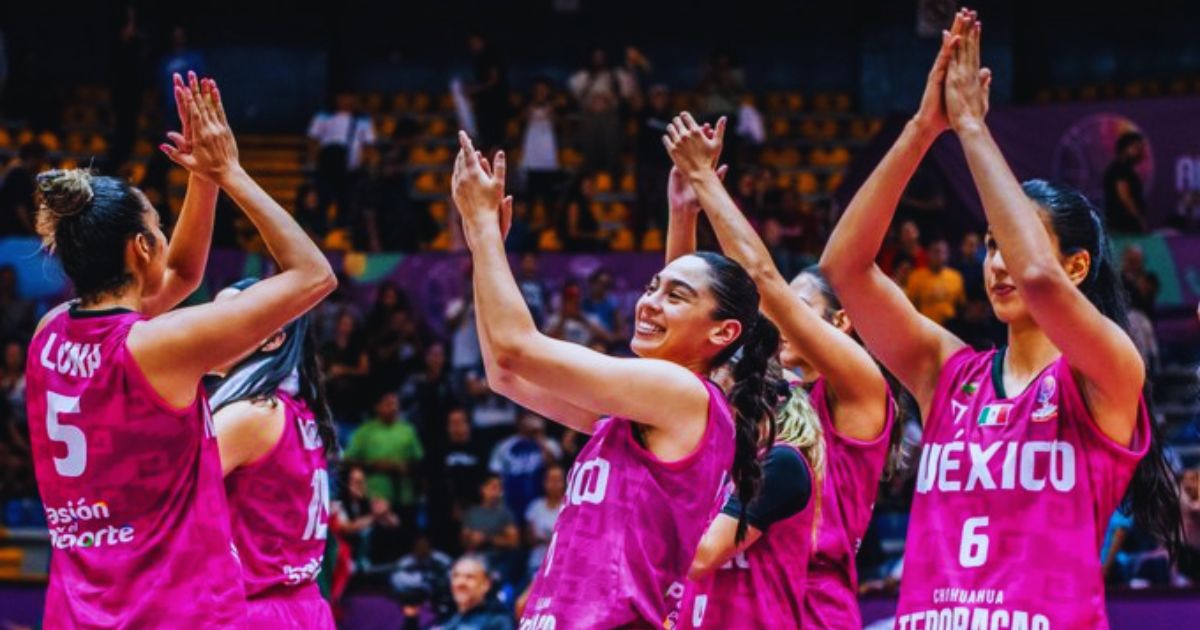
(1124,202)
(489,91)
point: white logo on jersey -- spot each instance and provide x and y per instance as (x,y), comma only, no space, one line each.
(539,622)
(942,466)
(588,482)
(72,359)
(310,434)
(698,608)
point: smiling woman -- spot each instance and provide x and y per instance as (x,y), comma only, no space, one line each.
(664,437)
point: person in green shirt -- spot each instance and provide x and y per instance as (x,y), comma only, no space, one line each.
(388,448)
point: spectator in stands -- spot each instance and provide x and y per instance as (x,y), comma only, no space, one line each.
(601,306)
(937,290)
(653,164)
(542,513)
(12,389)
(923,200)
(389,299)
(599,89)
(906,245)
(329,311)
(1142,287)
(465,462)
(488,92)
(1189,495)
(970,265)
(391,220)
(394,352)
(309,213)
(523,233)
(532,288)
(1124,201)
(428,396)
(582,225)
(16,313)
(489,525)
(539,147)
(492,415)
(572,324)
(354,515)
(346,368)
(388,448)
(471,584)
(17,208)
(521,462)
(338,142)
(464,341)
(422,577)
(721,88)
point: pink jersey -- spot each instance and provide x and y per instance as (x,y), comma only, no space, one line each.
(852,473)
(131,486)
(1013,496)
(762,587)
(279,508)
(629,528)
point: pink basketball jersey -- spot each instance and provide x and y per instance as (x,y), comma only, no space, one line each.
(131,487)
(629,528)
(1013,496)
(762,587)
(279,507)
(852,473)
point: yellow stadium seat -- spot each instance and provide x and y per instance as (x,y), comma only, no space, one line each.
(652,240)
(97,145)
(621,241)
(806,183)
(439,211)
(421,102)
(774,102)
(834,181)
(603,182)
(373,102)
(437,127)
(50,141)
(780,127)
(789,158)
(5,138)
(443,241)
(628,183)
(549,241)
(795,102)
(400,103)
(74,143)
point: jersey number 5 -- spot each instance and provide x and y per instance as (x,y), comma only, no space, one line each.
(75,461)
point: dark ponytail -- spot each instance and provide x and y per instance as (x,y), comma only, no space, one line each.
(259,376)
(901,400)
(754,395)
(1153,494)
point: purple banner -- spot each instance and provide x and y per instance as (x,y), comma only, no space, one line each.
(1075,143)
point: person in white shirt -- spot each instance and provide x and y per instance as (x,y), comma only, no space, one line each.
(338,141)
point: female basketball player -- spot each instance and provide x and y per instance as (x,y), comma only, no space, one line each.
(1028,449)
(274,432)
(122,438)
(647,483)
(760,581)
(846,387)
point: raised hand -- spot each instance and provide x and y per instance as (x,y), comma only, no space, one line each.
(932,113)
(680,194)
(691,147)
(478,188)
(967,84)
(206,147)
